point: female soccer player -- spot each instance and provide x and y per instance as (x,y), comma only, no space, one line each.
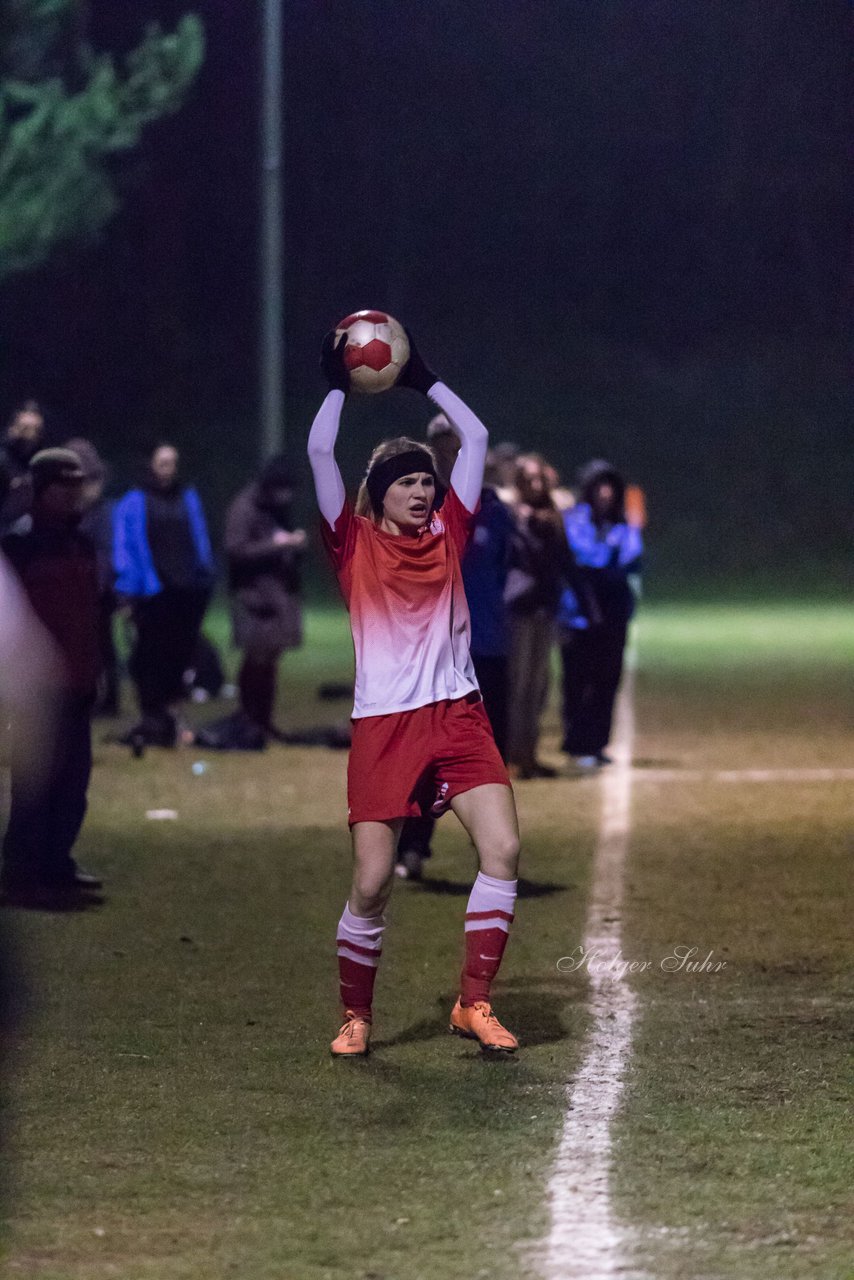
(421,739)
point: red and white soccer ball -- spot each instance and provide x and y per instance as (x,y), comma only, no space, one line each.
(376,351)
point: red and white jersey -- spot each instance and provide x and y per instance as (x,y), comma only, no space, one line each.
(408,610)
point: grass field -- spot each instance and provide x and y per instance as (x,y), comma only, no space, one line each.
(172,1111)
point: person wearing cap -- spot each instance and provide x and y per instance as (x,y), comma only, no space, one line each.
(422,742)
(56,565)
(264,550)
(594,614)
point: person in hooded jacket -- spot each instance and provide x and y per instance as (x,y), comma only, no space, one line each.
(165,571)
(593,622)
(264,550)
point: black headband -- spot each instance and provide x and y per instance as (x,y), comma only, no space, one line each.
(383,474)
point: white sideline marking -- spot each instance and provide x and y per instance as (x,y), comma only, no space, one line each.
(585,1242)
(743,775)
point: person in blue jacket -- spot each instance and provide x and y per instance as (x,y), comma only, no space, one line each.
(164,569)
(484,567)
(593,620)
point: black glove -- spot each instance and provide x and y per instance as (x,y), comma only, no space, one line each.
(332,364)
(415,372)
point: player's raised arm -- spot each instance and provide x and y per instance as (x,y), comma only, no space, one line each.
(467,475)
(328,484)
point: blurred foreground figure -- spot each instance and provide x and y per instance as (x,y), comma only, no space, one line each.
(22,439)
(164,568)
(264,552)
(56,565)
(594,622)
(29,665)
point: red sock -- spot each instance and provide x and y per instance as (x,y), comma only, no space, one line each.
(360,945)
(489,915)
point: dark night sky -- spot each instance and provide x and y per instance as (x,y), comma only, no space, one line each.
(617,226)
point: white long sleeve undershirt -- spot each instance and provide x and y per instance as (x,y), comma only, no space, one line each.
(328,484)
(466,477)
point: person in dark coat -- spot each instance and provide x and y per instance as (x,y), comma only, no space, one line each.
(22,440)
(264,551)
(56,565)
(164,568)
(540,566)
(593,622)
(97,524)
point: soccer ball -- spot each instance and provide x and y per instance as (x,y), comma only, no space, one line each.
(376,351)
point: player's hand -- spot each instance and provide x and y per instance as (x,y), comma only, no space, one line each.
(332,364)
(415,372)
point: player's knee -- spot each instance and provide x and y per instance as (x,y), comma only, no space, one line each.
(368,898)
(502,856)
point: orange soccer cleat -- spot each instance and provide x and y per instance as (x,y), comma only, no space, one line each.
(479,1023)
(354,1037)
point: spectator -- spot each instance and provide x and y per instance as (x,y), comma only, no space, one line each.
(484,568)
(540,565)
(22,440)
(164,569)
(56,565)
(445,444)
(562,497)
(594,620)
(414,845)
(505,462)
(264,550)
(97,524)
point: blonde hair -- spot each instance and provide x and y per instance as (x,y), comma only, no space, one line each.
(385,450)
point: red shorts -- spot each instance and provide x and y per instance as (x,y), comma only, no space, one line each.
(412,763)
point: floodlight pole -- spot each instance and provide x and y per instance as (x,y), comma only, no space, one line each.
(272,338)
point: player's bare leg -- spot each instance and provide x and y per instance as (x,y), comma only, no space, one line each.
(374,851)
(488,814)
(360,931)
